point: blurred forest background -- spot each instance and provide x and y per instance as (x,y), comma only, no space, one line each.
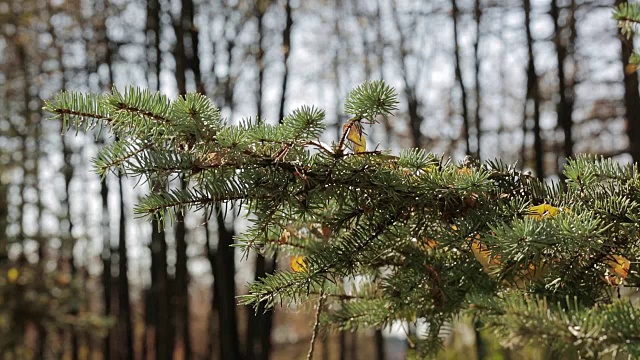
(533,81)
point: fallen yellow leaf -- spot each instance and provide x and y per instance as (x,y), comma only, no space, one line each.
(427,244)
(620,266)
(618,270)
(483,254)
(542,211)
(355,135)
(297,264)
(464,170)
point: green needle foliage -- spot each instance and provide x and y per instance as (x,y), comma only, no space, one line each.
(415,237)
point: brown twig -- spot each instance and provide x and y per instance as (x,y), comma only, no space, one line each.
(316,325)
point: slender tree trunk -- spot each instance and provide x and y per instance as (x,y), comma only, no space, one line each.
(534,94)
(415,120)
(124,302)
(260,321)
(159,310)
(68,248)
(286,50)
(379,339)
(379,49)
(225,291)
(159,293)
(631,97)
(565,105)
(4,214)
(106,261)
(183,338)
(476,56)
(458,72)
(335,62)
(182,291)
(211,323)
(222,259)
(342,345)
(104,194)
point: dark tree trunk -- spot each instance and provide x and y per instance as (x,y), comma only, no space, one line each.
(342,345)
(458,72)
(125,349)
(154,51)
(379,339)
(415,120)
(213,334)
(566,90)
(222,259)
(286,50)
(4,214)
(159,310)
(182,289)
(161,317)
(260,321)
(106,262)
(631,98)
(183,339)
(388,126)
(476,57)
(533,94)
(225,291)
(104,194)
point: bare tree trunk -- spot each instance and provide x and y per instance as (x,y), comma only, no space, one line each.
(159,293)
(286,50)
(379,339)
(183,338)
(631,98)
(222,259)
(106,262)
(212,257)
(476,57)
(68,248)
(379,50)
(415,120)
(458,72)
(534,94)
(260,321)
(566,91)
(335,64)
(342,345)
(160,307)
(225,291)
(124,302)
(104,194)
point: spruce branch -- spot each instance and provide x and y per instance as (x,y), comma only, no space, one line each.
(422,234)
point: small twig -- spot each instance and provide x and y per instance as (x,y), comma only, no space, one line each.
(316,325)
(346,128)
